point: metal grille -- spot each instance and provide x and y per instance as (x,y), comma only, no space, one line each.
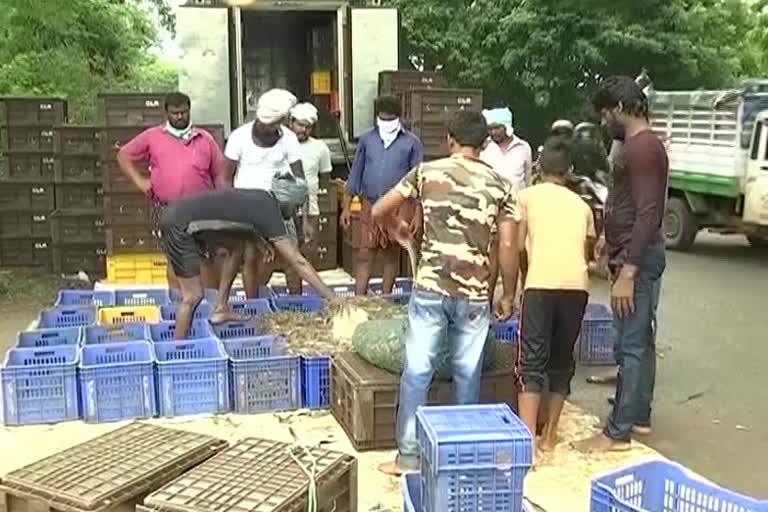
(255,475)
(113,467)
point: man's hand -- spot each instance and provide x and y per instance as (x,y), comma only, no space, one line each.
(308,230)
(506,308)
(623,293)
(345,219)
(338,305)
(400,230)
(145,185)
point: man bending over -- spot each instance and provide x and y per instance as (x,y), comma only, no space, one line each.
(228,218)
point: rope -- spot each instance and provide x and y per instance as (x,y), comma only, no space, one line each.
(309,471)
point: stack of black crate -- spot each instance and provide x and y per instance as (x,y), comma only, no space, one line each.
(323,252)
(127,212)
(77,225)
(28,167)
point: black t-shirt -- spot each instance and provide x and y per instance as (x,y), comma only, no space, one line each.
(250,212)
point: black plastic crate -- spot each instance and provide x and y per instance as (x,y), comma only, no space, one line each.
(23,196)
(71,259)
(327,229)
(131,239)
(28,167)
(28,138)
(78,140)
(79,169)
(25,224)
(127,210)
(25,252)
(80,196)
(327,197)
(77,227)
(324,256)
(15,111)
(131,109)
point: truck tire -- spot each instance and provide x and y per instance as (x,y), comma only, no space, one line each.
(758,242)
(680,226)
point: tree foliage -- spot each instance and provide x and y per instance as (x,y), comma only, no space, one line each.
(543,58)
(77,49)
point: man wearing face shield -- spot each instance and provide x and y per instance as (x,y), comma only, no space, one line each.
(384,156)
(227,218)
(257,152)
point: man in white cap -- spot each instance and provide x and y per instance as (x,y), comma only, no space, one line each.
(255,153)
(511,157)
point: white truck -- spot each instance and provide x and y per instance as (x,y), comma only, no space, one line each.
(325,51)
(717,143)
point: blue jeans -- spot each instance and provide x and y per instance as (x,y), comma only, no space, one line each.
(635,351)
(434,319)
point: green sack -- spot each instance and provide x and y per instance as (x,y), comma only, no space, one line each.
(382,343)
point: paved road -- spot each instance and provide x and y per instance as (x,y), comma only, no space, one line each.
(714,340)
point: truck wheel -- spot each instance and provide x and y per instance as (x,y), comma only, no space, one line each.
(758,242)
(680,226)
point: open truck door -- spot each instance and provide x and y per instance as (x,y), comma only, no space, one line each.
(756,182)
(203,38)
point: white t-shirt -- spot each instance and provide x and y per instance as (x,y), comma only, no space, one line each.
(514,163)
(258,165)
(316,160)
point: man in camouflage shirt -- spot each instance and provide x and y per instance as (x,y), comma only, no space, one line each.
(462,199)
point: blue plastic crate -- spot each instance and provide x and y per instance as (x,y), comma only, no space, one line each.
(508,331)
(203,312)
(299,304)
(150,297)
(40,385)
(164,331)
(595,343)
(234,330)
(118,333)
(340,290)
(316,382)
(192,377)
(210,296)
(663,486)
(473,458)
(238,293)
(49,337)
(117,381)
(67,316)
(99,298)
(411,486)
(251,307)
(401,287)
(257,347)
(264,384)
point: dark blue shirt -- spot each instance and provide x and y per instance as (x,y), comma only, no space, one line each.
(377,170)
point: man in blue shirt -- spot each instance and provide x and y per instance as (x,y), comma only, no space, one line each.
(384,156)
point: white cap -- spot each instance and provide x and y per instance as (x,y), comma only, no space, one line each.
(304,113)
(274,105)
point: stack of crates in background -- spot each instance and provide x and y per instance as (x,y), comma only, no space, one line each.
(473,458)
(322,254)
(28,167)
(392,83)
(77,225)
(127,212)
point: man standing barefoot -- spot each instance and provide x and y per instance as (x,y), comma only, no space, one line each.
(636,259)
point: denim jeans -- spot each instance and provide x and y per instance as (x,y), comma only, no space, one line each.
(434,319)
(635,351)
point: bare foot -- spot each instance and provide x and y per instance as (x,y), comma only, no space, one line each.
(600,443)
(641,430)
(392,469)
(220,317)
(548,444)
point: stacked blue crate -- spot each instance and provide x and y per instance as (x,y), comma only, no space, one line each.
(98,298)
(473,458)
(67,316)
(38,338)
(165,330)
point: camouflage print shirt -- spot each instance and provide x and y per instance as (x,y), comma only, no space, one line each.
(462,200)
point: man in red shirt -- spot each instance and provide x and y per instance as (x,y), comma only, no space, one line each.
(184,160)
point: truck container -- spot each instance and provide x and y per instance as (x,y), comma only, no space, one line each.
(717,142)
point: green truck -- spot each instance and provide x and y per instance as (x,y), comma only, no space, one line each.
(717,143)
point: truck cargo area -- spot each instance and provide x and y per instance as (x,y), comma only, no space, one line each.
(294,50)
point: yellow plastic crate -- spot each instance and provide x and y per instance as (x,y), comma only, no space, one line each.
(129,315)
(143,268)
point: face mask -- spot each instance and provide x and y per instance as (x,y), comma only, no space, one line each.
(183,133)
(388,131)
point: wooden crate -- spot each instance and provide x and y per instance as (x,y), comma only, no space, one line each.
(28,167)
(117,468)
(364,399)
(23,196)
(131,109)
(28,138)
(25,252)
(18,111)
(72,258)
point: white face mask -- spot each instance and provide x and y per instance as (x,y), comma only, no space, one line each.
(392,126)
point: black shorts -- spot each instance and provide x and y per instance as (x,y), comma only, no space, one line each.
(550,325)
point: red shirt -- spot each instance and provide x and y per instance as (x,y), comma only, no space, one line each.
(178,167)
